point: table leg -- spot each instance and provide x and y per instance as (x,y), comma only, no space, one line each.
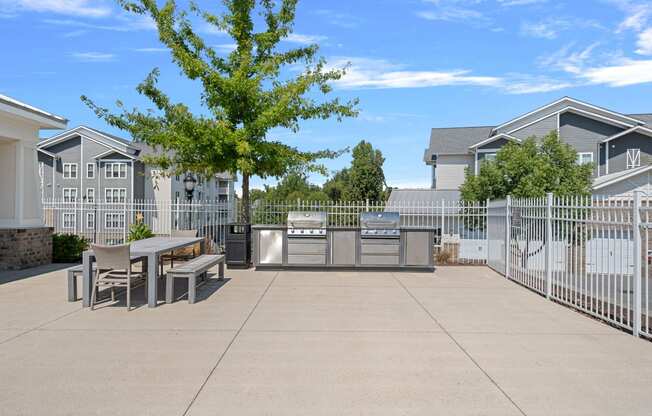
(87,279)
(152,287)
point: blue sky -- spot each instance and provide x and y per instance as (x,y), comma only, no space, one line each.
(415,64)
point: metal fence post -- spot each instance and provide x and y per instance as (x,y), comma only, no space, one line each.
(508,233)
(549,200)
(636,224)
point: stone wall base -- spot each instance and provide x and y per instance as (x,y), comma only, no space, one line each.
(22,248)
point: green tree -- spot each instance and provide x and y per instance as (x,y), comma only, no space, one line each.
(247,93)
(529,170)
(336,186)
(366,179)
(293,186)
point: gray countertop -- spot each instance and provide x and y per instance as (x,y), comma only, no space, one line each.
(284,227)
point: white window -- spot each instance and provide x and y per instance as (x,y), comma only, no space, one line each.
(90,220)
(69,194)
(633,158)
(489,156)
(584,158)
(115,195)
(114,220)
(69,171)
(69,219)
(115,170)
(90,170)
(90,195)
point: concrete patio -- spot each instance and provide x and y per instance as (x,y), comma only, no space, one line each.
(461,341)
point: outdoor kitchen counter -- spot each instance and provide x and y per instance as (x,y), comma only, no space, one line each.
(342,247)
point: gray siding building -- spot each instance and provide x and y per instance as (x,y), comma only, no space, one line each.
(85,164)
(618,145)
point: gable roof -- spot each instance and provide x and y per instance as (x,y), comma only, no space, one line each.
(455,140)
(460,140)
(635,129)
(606,180)
(106,139)
(43,118)
(645,117)
(494,138)
(565,104)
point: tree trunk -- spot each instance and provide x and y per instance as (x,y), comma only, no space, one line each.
(245,198)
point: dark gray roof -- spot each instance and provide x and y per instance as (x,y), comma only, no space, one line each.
(422,196)
(422,201)
(120,139)
(455,140)
(645,118)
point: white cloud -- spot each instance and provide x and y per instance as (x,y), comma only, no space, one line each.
(636,15)
(124,23)
(627,72)
(85,8)
(378,73)
(75,33)
(365,73)
(340,19)
(519,2)
(567,60)
(644,42)
(93,56)
(543,30)
(455,14)
(550,28)
(226,47)
(304,39)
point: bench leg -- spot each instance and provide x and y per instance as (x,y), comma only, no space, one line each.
(169,288)
(192,288)
(72,287)
(220,274)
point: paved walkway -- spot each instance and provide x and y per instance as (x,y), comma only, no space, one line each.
(461,341)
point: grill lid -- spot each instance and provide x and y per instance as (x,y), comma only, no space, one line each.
(307,219)
(379,220)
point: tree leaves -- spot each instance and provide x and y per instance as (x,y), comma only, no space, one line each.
(243,93)
(529,169)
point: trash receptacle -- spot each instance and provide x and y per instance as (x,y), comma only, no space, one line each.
(238,246)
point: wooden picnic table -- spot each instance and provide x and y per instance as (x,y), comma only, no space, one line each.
(150,249)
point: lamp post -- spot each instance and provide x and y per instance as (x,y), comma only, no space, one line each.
(189,183)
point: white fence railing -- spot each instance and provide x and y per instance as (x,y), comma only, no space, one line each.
(108,222)
(459,227)
(591,253)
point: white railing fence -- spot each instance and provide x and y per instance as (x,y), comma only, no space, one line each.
(591,253)
(105,222)
(459,227)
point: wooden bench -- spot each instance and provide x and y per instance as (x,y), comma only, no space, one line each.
(191,270)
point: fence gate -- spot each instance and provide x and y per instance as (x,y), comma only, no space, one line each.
(497,235)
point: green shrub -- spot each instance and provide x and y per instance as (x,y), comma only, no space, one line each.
(68,248)
(139,231)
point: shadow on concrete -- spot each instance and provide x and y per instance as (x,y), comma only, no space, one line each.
(138,299)
(13,275)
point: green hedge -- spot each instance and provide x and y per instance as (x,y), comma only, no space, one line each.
(68,248)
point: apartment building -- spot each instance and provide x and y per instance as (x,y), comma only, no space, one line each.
(618,145)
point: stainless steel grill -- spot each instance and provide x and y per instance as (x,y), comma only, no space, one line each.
(307,224)
(380,224)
